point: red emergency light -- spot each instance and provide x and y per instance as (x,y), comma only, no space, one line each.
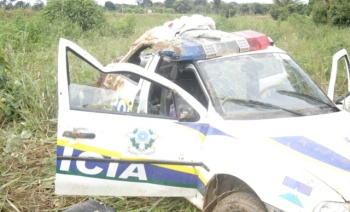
(256,40)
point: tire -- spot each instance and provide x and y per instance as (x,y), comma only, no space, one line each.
(240,202)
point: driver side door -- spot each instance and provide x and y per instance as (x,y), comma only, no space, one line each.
(136,134)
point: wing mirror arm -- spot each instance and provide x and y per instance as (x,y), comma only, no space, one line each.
(342,97)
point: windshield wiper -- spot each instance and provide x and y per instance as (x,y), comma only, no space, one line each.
(254,104)
(305,97)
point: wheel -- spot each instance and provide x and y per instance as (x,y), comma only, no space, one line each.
(240,202)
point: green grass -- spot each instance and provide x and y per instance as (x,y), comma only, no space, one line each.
(29,45)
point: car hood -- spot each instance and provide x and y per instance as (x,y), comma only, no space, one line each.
(321,144)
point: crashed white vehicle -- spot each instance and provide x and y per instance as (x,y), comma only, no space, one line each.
(227,120)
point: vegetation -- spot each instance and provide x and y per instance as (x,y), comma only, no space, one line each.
(332,12)
(84,13)
(282,9)
(28,88)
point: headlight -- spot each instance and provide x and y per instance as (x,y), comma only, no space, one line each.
(333,207)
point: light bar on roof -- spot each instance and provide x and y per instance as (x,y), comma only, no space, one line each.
(201,49)
(236,44)
(256,40)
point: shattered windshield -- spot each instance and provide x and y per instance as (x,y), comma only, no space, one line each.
(265,85)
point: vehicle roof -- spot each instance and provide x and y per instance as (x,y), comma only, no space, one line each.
(195,38)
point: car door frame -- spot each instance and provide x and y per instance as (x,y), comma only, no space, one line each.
(343,101)
(64,104)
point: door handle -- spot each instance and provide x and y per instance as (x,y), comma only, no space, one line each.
(74,134)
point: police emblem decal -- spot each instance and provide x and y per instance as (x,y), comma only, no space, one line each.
(142,142)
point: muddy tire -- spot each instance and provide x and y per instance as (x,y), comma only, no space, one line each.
(240,202)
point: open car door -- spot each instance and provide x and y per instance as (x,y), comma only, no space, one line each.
(137,136)
(339,85)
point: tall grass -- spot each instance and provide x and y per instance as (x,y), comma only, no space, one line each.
(29,45)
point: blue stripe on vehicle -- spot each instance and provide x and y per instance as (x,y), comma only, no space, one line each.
(202,128)
(205,129)
(160,173)
(155,174)
(297,186)
(215,131)
(314,150)
(200,186)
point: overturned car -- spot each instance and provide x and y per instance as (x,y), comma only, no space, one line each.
(225,119)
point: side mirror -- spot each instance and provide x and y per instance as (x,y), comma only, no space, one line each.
(184,111)
(188,114)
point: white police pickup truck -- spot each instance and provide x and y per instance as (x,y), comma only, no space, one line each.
(226,120)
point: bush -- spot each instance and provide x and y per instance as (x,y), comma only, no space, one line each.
(319,13)
(85,13)
(283,11)
(279,13)
(126,25)
(335,13)
(338,13)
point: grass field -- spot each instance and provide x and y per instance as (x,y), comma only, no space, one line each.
(29,46)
